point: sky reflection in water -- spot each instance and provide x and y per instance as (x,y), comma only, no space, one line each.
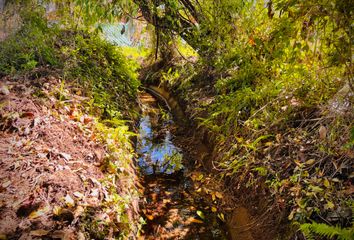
(157,156)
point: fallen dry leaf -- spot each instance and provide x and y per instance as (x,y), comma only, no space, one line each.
(78,195)
(192,208)
(36,121)
(65,156)
(87,120)
(80,236)
(6,184)
(323,132)
(39,233)
(310,161)
(4,90)
(27,114)
(79,211)
(154,197)
(57,210)
(166,201)
(194,220)
(58,234)
(69,201)
(99,154)
(40,212)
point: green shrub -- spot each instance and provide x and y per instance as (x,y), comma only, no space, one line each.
(109,77)
(32,46)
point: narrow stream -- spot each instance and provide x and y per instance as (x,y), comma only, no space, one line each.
(172,208)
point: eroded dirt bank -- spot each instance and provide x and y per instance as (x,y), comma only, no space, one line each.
(56,165)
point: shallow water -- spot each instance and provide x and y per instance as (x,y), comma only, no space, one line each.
(157,156)
(171,208)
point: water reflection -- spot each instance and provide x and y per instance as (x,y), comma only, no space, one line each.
(171,207)
(157,154)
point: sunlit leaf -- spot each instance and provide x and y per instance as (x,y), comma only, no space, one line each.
(221,217)
(69,201)
(78,195)
(218,195)
(200,177)
(213,197)
(329,205)
(316,189)
(310,162)
(40,212)
(201,214)
(57,210)
(326,183)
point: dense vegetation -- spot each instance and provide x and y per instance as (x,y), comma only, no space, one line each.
(98,85)
(81,55)
(272,89)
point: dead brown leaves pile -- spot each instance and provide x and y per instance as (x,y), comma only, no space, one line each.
(49,162)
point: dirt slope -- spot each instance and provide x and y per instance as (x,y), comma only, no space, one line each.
(51,177)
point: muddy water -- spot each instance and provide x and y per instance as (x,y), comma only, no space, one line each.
(172,208)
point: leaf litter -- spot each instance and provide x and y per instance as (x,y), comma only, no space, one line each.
(50,174)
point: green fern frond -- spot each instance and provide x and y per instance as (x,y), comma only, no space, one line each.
(310,230)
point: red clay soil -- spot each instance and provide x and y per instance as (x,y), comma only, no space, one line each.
(49,162)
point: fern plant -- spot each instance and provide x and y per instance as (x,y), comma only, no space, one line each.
(311,230)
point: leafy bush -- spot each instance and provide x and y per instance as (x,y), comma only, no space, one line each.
(33,45)
(109,77)
(273,79)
